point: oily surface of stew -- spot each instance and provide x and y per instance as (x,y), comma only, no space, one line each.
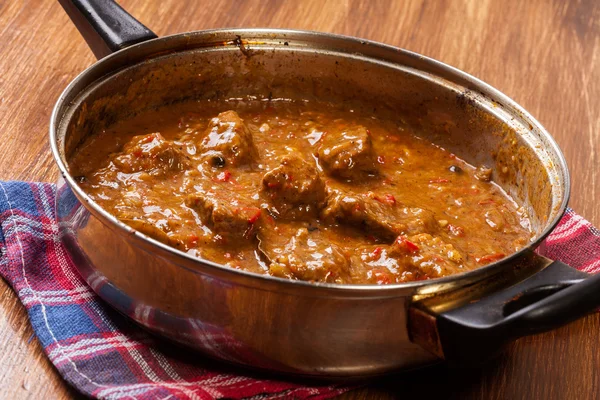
(299,190)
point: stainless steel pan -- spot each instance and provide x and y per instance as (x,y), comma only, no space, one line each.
(300,328)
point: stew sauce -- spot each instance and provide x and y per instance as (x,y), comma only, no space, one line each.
(300,190)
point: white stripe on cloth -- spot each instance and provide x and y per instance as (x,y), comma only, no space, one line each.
(580,224)
(168,369)
(138,388)
(54,293)
(147,368)
(164,363)
(116,338)
(564,226)
(31,299)
(85,347)
(25,226)
(592,267)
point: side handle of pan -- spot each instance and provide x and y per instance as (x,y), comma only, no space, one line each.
(105,26)
(474,332)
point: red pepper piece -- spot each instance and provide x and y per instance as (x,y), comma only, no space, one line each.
(148,138)
(376,252)
(224,176)
(254,217)
(382,276)
(456,230)
(193,239)
(490,258)
(386,199)
(407,244)
(488,201)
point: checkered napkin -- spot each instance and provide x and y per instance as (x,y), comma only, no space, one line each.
(103,355)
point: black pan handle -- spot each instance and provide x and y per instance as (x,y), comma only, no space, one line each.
(105,26)
(549,299)
(475,332)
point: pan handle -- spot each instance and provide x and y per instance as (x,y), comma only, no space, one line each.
(473,333)
(105,26)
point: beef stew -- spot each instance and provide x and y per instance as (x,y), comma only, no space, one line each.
(300,190)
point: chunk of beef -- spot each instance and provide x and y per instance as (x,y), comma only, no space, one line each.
(348,154)
(295,253)
(376,215)
(228,135)
(225,217)
(153,154)
(294,187)
(155,232)
(411,258)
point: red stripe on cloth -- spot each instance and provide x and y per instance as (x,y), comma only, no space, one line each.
(575,242)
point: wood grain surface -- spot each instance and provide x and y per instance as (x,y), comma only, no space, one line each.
(545,54)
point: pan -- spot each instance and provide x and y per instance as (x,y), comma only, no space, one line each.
(293,327)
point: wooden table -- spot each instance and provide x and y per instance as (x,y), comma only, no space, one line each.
(545,54)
